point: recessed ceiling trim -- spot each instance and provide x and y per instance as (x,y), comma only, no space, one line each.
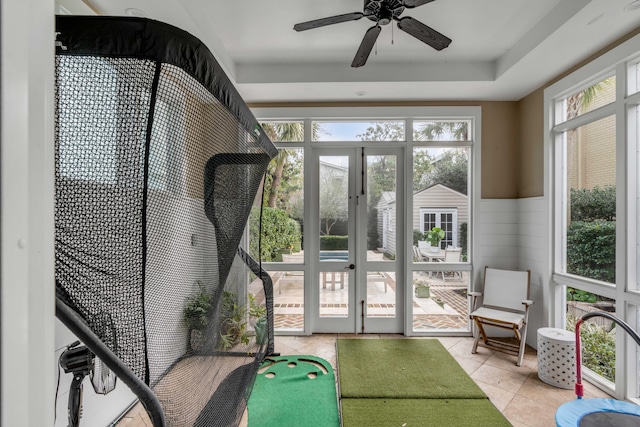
(554,20)
(381,72)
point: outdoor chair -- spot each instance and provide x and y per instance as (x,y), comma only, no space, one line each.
(451,255)
(505,304)
(417,255)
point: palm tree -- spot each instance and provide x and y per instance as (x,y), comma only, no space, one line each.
(432,131)
(283,132)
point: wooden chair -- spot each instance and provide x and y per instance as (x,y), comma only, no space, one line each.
(505,304)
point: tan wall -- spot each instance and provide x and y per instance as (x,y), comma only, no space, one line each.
(499,139)
(531,137)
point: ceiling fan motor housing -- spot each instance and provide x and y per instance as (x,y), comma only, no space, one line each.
(383,11)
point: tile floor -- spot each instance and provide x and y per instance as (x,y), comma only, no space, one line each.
(516,391)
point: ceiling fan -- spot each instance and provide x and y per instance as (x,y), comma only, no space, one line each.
(383,12)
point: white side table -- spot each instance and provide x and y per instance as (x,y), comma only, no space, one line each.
(557,357)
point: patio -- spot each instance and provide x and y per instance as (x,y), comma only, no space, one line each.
(446,308)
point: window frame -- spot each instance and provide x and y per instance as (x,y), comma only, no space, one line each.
(626,291)
(438,223)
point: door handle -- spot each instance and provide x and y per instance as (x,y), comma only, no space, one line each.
(350,267)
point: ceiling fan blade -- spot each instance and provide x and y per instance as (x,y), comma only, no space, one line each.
(410,4)
(423,33)
(309,25)
(364,50)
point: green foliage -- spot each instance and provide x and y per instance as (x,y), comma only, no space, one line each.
(278,232)
(594,204)
(591,249)
(435,235)
(334,243)
(373,237)
(234,320)
(450,170)
(383,131)
(463,240)
(580,295)
(598,347)
(422,166)
(437,130)
(417,235)
(197,310)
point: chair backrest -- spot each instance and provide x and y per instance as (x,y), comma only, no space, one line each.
(417,256)
(505,289)
(423,244)
(452,254)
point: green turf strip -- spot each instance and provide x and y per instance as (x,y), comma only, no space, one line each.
(421,413)
(402,369)
(285,395)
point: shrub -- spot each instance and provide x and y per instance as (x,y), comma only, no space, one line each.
(598,347)
(417,235)
(594,204)
(334,243)
(591,249)
(278,232)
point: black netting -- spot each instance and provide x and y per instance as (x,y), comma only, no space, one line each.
(158,163)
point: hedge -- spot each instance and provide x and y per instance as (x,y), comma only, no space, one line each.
(591,249)
(334,243)
(278,232)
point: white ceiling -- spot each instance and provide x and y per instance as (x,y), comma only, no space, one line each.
(501,49)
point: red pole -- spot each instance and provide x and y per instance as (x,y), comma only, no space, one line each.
(579,387)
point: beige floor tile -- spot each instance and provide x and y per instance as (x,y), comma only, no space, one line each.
(532,413)
(498,377)
(499,397)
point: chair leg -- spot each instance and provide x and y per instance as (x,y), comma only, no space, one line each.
(523,343)
(477,339)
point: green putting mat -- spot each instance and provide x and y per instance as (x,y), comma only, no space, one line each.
(402,369)
(421,413)
(294,391)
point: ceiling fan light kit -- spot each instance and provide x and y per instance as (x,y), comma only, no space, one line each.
(382,12)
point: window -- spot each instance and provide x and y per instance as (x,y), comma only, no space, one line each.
(447,220)
(442,130)
(594,169)
(387,130)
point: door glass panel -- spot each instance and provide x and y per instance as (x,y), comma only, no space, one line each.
(334,207)
(381,294)
(334,294)
(381,207)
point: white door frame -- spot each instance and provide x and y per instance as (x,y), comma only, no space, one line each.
(357,250)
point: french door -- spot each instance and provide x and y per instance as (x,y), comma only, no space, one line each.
(357,206)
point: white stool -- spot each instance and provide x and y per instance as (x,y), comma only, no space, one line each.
(557,357)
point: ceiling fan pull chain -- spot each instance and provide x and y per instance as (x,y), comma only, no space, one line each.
(392,34)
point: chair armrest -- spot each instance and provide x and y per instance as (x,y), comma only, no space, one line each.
(527,302)
(474,294)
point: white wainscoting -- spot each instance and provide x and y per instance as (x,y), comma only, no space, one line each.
(513,234)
